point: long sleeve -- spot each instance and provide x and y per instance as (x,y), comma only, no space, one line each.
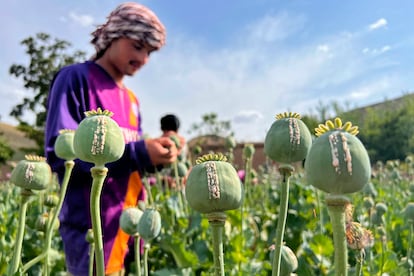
(71,94)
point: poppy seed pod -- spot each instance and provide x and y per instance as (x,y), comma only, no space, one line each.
(182,169)
(98,139)
(230,142)
(368,202)
(89,236)
(381,208)
(149,225)
(197,150)
(51,200)
(41,222)
(129,220)
(64,144)
(288,139)
(33,173)
(176,141)
(338,162)
(248,151)
(213,185)
(289,261)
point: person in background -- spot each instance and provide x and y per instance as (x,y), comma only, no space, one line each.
(170,125)
(123,46)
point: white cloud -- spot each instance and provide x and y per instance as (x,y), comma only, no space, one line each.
(368,90)
(272,28)
(382,22)
(247,116)
(376,51)
(254,82)
(84,20)
(272,65)
(323,48)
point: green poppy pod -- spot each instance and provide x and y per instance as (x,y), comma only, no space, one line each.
(381,208)
(129,220)
(370,190)
(175,140)
(182,169)
(230,142)
(213,185)
(288,139)
(41,223)
(51,200)
(89,236)
(409,212)
(98,139)
(149,226)
(64,144)
(248,151)
(197,150)
(33,173)
(289,261)
(368,202)
(338,162)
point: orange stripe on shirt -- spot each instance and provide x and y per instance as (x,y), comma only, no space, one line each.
(120,246)
(134,109)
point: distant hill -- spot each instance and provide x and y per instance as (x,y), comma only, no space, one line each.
(387,105)
(16,140)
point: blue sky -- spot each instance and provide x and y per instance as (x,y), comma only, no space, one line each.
(244,60)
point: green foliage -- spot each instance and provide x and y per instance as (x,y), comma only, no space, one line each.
(46,57)
(387,132)
(211,125)
(311,122)
(33,240)
(6,152)
(184,246)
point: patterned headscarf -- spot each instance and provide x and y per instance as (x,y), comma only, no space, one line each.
(130,20)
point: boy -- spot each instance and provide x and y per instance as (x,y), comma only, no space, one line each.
(123,45)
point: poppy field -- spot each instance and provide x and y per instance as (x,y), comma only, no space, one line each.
(277,212)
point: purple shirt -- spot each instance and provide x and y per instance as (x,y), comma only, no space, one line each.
(75,89)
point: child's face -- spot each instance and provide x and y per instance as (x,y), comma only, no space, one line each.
(127,56)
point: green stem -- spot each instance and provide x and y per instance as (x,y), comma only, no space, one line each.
(137,254)
(383,242)
(410,241)
(146,249)
(320,212)
(69,164)
(247,176)
(286,171)
(25,195)
(216,221)
(91,258)
(98,175)
(336,208)
(32,262)
(246,186)
(148,188)
(360,261)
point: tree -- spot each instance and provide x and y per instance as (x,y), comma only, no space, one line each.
(6,152)
(386,130)
(46,56)
(210,125)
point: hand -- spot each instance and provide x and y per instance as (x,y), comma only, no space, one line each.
(161,150)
